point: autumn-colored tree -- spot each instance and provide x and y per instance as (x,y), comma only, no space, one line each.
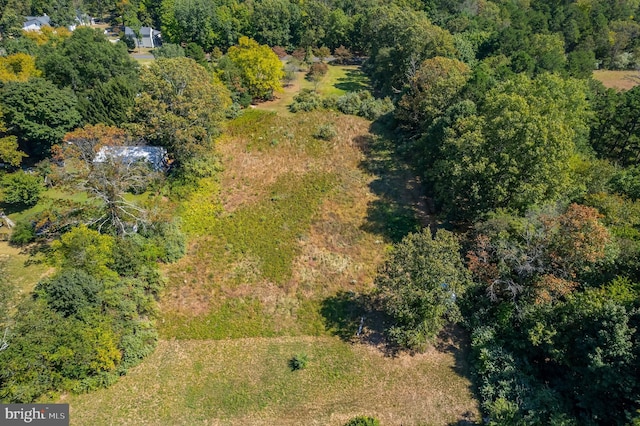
(261,68)
(539,257)
(316,73)
(280,51)
(578,240)
(48,35)
(18,67)
(342,55)
(322,53)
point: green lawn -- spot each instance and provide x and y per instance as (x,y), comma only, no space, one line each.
(249,382)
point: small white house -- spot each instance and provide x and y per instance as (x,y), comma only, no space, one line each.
(35,23)
(154,155)
(149,37)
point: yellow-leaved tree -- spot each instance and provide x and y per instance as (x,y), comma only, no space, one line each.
(18,67)
(9,152)
(261,69)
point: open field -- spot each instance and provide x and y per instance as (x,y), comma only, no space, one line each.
(283,250)
(621,80)
(290,230)
(248,382)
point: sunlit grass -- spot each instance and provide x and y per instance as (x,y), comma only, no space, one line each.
(249,382)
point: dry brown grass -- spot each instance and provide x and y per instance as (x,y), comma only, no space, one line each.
(621,80)
(335,253)
(248,382)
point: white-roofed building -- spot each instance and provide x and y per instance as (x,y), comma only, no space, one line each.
(154,155)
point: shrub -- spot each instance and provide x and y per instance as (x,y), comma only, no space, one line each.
(363,421)
(71,292)
(363,104)
(280,51)
(351,102)
(306,100)
(22,188)
(168,50)
(23,233)
(299,362)
(317,71)
(325,132)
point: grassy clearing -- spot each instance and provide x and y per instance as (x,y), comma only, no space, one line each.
(21,269)
(288,231)
(621,80)
(249,382)
(339,80)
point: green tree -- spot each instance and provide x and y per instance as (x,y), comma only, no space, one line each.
(109,103)
(11,17)
(271,21)
(616,130)
(38,114)
(86,59)
(196,53)
(260,67)
(181,108)
(399,40)
(9,152)
(515,152)
(22,188)
(71,292)
(434,87)
(84,249)
(419,284)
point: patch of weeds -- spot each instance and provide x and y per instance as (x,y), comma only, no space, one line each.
(325,132)
(363,421)
(201,209)
(269,230)
(235,318)
(299,361)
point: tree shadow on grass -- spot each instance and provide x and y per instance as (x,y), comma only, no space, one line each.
(357,318)
(354,81)
(402,206)
(455,340)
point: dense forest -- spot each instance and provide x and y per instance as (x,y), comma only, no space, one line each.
(531,166)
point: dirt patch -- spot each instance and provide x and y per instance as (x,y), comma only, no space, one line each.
(620,80)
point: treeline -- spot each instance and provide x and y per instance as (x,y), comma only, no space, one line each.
(533,169)
(533,36)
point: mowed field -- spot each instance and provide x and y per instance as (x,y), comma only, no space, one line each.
(248,382)
(621,80)
(283,249)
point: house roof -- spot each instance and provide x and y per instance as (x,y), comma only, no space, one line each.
(44,19)
(154,155)
(35,22)
(144,32)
